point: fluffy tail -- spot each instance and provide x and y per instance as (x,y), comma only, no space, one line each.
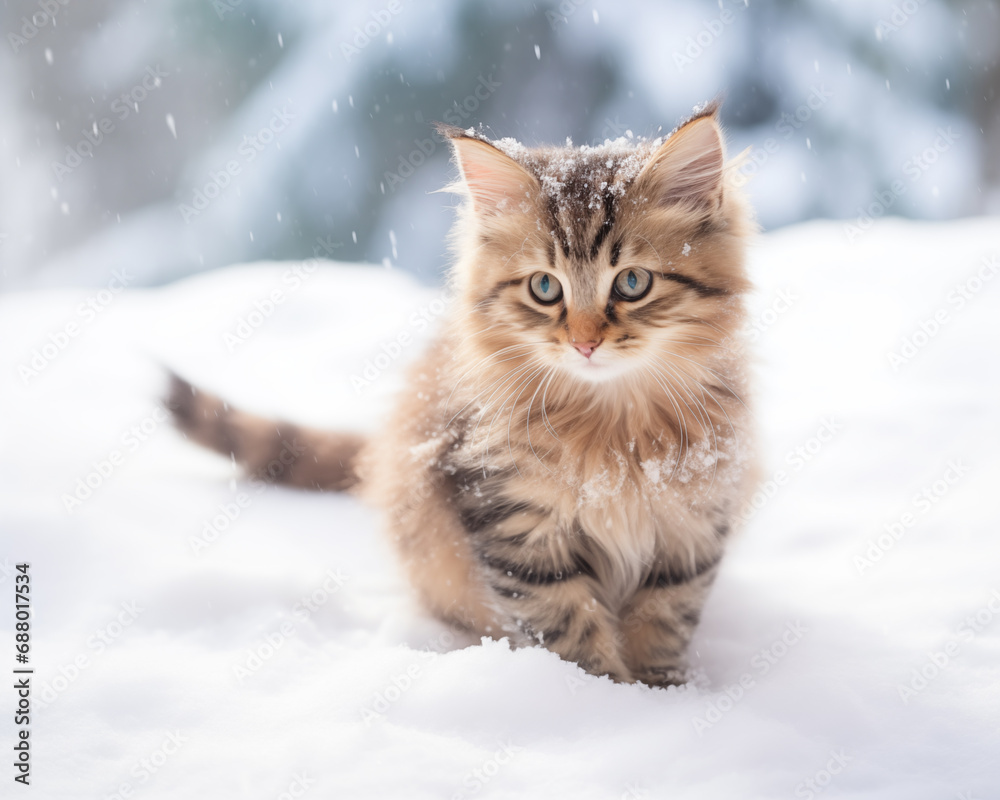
(272,451)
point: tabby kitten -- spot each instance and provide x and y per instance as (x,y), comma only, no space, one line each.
(567,461)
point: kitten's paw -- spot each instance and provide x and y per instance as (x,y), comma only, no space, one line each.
(619,673)
(662,676)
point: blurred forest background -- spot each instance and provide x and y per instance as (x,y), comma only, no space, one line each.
(176,136)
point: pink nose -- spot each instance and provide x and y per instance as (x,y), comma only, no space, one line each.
(586,348)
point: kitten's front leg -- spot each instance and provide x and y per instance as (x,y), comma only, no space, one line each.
(563,615)
(547,591)
(660,620)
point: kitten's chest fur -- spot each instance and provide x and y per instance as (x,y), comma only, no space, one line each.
(627,510)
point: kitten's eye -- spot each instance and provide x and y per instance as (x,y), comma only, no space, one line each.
(546,288)
(632,284)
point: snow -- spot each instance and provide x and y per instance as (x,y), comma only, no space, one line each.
(625,156)
(197,636)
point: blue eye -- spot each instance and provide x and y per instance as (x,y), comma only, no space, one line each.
(545,288)
(632,284)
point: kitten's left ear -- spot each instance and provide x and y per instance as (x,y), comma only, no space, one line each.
(687,169)
(490,176)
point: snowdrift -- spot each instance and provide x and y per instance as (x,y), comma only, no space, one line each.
(197,635)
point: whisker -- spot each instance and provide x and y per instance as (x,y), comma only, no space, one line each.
(517,382)
(655,251)
(477,366)
(705,391)
(683,444)
(527,422)
(513,407)
(706,421)
(718,375)
(545,416)
(513,376)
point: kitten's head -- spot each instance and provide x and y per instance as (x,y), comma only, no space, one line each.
(606,266)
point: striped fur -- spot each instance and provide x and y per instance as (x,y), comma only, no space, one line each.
(275,452)
(580,502)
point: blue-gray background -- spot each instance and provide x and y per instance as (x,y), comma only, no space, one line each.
(177,136)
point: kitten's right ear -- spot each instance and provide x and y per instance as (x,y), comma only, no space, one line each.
(489,176)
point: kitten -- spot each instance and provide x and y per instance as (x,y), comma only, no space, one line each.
(568,459)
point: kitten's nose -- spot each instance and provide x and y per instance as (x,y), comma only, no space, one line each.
(586,348)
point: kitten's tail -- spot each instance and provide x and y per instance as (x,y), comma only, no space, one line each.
(276,452)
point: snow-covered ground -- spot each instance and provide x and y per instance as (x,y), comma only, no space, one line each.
(195,637)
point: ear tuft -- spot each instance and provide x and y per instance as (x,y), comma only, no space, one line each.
(492,179)
(446,131)
(687,169)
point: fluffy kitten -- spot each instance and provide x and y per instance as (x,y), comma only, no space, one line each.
(567,461)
